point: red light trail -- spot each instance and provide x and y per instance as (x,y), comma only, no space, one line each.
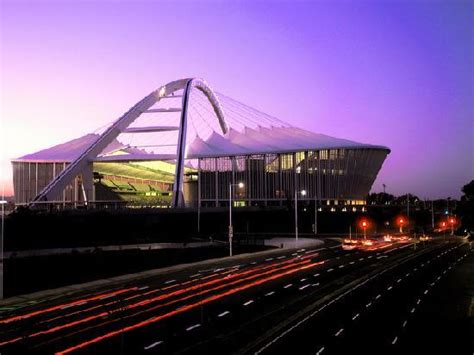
(69,304)
(183,309)
(229,280)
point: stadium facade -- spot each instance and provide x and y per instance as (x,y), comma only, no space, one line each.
(186,145)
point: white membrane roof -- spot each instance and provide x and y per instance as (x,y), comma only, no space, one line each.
(153,137)
(251,141)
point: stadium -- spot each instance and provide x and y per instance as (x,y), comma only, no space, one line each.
(185,145)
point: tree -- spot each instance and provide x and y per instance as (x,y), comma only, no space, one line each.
(402,200)
(465,208)
(468,191)
(380,198)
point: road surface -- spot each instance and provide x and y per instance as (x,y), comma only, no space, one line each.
(319,300)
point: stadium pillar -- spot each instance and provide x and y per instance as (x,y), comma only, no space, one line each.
(88,183)
(178,197)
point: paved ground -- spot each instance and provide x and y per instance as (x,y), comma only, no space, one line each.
(291,242)
(275,242)
(446,313)
(310,300)
(398,312)
(142,246)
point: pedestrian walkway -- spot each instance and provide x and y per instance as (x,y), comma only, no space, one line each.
(281,242)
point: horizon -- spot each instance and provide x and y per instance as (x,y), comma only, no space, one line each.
(387,73)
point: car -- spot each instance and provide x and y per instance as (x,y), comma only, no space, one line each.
(401,238)
(351,241)
(349,244)
(367,242)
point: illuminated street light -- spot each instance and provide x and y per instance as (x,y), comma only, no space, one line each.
(315,214)
(2,203)
(231,227)
(364,224)
(443,227)
(303,193)
(452,222)
(401,223)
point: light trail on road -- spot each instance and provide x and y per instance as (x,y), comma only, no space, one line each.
(183,309)
(190,311)
(229,280)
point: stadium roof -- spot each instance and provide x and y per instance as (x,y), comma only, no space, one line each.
(184,119)
(250,141)
(238,130)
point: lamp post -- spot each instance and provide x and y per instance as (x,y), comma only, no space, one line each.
(2,203)
(364,225)
(432,215)
(303,193)
(401,222)
(408,205)
(231,227)
(452,222)
(443,227)
(315,215)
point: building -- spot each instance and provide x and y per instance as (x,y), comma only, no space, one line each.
(186,145)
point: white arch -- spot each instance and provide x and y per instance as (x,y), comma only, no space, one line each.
(82,165)
(178,198)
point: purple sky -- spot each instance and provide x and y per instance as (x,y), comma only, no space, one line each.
(395,73)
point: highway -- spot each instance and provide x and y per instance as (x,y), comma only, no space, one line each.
(316,300)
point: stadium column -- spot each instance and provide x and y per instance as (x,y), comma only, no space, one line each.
(88,183)
(280,181)
(178,197)
(64,191)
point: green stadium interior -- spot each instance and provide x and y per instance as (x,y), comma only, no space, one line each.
(148,182)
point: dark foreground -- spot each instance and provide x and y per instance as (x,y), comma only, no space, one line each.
(392,299)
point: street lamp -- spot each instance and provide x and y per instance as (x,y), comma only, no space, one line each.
(2,203)
(303,193)
(452,222)
(315,215)
(231,228)
(364,224)
(432,215)
(401,222)
(443,227)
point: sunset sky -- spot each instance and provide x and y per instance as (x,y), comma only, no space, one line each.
(393,73)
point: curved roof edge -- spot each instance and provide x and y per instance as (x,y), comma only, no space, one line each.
(215,146)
